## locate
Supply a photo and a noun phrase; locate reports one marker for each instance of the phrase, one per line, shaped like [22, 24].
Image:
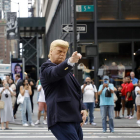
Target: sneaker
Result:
[93, 123]
[44, 122]
[119, 117]
[25, 124]
[127, 117]
[85, 123]
[104, 131]
[112, 131]
[138, 121]
[37, 122]
[131, 117]
[32, 124]
[122, 116]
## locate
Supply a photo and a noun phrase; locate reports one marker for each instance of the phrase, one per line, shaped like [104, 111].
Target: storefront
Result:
[117, 37]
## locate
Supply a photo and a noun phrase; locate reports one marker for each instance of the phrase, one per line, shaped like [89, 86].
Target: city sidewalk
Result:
[125, 123]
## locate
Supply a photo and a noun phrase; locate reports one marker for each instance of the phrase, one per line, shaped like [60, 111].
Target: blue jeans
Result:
[107, 110]
[26, 106]
[90, 107]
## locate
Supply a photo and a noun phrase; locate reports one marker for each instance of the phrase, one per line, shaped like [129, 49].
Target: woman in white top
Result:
[6, 113]
[42, 105]
[26, 91]
[137, 92]
[13, 87]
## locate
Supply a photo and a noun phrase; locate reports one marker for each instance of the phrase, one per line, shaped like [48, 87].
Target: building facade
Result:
[112, 25]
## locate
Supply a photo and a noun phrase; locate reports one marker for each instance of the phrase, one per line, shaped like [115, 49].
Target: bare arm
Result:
[30, 90]
[83, 88]
[22, 90]
[39, 89]
[138, 91]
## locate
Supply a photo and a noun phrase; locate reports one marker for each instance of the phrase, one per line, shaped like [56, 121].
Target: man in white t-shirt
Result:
[89, 92]
[41, 105]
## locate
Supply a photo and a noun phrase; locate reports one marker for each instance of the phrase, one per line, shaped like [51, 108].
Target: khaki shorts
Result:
[137, 100]
[42, 106]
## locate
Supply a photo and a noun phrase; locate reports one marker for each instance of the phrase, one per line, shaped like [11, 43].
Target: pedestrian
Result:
[118, 103]
[137, 92]
[7, 78]
[89, 92]
[65, 110]
[18, 84]
[123, 96]
[26, 91]
[128, 98]
[42, 105]
[7, 112]
[13, 87]
[134, 82]
[106, 91]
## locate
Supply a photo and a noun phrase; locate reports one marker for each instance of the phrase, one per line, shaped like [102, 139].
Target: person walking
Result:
[18, 84]
[65, 109]
[26, 91]
[13, 87]
[7, 112]
[137, 92]
[89, 92]
[106, 91]
[42, 105]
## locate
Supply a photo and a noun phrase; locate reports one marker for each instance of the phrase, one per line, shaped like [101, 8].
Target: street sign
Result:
[84, 8]
[81, 28]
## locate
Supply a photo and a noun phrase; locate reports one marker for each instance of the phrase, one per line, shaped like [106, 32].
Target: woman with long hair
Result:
[13, 87]
[26, 91]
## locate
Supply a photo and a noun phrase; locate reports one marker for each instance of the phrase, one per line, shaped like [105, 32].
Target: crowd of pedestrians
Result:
[9, 94]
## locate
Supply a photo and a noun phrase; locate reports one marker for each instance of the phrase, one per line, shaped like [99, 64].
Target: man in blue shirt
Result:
[134, 80]
[106, 104]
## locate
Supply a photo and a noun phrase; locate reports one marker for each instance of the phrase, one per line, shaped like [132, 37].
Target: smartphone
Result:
[105, 81]
[6, 85]
[85, 83]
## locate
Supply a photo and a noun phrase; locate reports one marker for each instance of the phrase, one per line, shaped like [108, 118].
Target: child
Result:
[118, 103]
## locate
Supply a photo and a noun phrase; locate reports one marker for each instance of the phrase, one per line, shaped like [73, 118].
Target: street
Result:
[124, 129]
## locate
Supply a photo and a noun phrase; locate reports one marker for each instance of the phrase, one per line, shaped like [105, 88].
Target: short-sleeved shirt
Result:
[129, 88]
[41, 94]
[136, 90]
[106, 100]
[134, 81]
[88, 95]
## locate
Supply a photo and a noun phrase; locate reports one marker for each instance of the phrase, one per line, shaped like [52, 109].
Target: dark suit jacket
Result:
[18, 87]
[62, 93]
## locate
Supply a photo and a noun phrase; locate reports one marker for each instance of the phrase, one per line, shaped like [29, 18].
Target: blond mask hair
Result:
[58, 43]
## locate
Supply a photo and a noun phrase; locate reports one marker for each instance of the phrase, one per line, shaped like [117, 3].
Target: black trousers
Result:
[32, 105]
[15, 107]
[67, 131]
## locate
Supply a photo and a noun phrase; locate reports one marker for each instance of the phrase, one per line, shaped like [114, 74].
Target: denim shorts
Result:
[123, 97]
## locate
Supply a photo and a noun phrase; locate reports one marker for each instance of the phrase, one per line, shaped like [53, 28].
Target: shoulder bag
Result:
[1, 104]
[20, 99]
[107, 93]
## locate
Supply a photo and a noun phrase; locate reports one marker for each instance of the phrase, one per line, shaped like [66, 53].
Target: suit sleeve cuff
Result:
[69, 63]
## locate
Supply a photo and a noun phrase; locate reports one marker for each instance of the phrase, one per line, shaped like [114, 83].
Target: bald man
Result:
[89, 92]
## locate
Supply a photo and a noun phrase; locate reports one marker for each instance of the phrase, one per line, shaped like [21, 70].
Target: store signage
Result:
[84, 8]
[81, 28]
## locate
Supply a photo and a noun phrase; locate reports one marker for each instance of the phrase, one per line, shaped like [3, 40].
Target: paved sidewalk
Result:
[118, 123]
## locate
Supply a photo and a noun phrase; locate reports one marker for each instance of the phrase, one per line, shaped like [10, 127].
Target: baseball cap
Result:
[105, 77]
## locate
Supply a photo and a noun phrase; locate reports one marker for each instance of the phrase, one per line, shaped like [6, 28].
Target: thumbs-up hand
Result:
[75, 57]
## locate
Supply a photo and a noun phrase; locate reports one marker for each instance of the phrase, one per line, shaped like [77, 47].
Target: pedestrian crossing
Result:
[42, 133]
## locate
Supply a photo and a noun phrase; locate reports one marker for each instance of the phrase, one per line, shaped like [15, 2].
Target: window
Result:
[108, 9]
[115, 60]
[130, 9]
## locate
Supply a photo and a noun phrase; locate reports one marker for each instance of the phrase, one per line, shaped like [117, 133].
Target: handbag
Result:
[115, 97]
[20, 99]
[1, 104]
[108, 93]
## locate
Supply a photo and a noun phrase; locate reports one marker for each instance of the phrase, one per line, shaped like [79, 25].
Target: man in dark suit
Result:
[65, 110]
[18, 84]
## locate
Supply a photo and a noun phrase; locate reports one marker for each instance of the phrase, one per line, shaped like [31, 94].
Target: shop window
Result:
[108, 9]
[84, 15]
[115, 60]
[130, 9]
